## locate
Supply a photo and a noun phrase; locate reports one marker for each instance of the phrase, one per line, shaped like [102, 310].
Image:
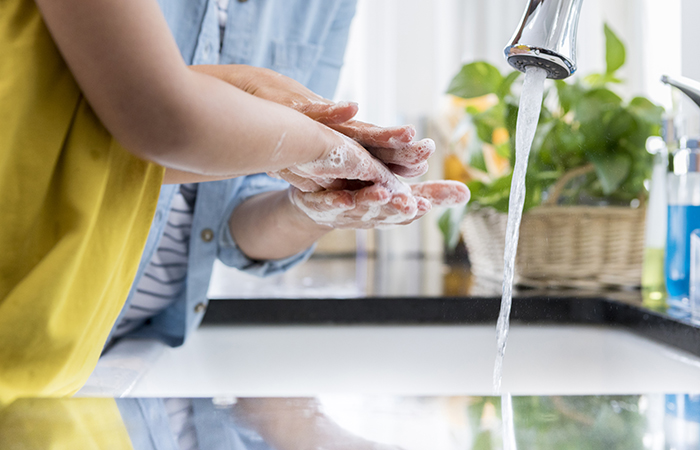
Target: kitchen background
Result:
[400, 59]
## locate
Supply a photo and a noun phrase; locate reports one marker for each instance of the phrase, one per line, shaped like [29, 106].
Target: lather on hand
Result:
[354, 185]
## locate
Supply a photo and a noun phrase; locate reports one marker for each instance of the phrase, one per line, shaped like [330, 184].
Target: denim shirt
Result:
[146, 421]
[302, 39]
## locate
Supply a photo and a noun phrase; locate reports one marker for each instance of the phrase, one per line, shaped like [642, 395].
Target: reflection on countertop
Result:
[654, 421]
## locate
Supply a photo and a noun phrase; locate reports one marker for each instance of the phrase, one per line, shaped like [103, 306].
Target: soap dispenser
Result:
[683, 193]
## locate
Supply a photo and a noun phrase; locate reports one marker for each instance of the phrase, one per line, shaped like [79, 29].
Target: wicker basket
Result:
[573, 246]
[561, 246]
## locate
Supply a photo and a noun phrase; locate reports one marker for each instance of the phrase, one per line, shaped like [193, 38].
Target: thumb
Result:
[442, 193]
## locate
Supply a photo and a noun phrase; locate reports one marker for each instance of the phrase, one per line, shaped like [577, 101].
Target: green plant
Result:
[585, 129]
[563, 423]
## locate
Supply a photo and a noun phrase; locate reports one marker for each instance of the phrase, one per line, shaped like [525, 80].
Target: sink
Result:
[414, 360]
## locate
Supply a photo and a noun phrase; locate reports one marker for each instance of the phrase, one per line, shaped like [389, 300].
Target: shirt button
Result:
[207, 235]
[207, 49]
[200, 307]
[242, 1]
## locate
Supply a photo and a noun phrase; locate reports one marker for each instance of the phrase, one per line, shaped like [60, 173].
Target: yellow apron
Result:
[65, 424]
[75, 210]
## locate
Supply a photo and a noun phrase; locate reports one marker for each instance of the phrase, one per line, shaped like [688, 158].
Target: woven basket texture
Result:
[561, 246]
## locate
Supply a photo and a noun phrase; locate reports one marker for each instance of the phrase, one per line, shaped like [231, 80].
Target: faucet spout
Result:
[546, 38]
[689, 87]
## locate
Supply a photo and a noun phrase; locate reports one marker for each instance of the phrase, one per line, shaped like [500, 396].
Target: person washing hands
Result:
[142, 424]
[256, 223]
[96, 100]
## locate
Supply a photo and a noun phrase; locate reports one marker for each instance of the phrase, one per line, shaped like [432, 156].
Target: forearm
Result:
[127, 64]
[268, 226]
[230, 132]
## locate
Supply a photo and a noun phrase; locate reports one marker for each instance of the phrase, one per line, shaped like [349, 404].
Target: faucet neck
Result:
[546, 37]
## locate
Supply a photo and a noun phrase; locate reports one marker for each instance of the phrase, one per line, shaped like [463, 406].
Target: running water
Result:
[508, 422]
[528, 116]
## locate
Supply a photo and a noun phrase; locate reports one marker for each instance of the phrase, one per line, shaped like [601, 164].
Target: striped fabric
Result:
[165, 275]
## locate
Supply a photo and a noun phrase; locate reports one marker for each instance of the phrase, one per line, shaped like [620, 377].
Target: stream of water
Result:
[528, 116]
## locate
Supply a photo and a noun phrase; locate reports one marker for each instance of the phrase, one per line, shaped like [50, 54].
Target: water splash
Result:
[528, 116]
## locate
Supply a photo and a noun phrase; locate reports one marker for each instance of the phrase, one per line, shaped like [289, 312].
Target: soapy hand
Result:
[394, 146]
[375, 206]
[347, 166]
[349, 188]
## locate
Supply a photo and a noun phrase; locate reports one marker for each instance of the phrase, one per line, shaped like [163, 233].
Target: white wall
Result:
[403, 53]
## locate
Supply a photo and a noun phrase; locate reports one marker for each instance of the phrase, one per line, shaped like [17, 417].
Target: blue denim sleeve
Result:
[324, 79]
[228, 251]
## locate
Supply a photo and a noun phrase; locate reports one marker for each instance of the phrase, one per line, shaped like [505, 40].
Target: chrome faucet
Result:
[689, 87]
[546, 37]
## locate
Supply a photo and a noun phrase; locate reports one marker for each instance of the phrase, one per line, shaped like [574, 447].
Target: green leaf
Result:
[597, 80]
[646, 110]
[449, 226]
[569, 94]
[507, 84]
[494, 195]
[488, 121]
[476, 160]
[614, 51]
[621, 127]
[503, 150]
[612, 170]
[595, 103]
[562, 147]
[475, 80]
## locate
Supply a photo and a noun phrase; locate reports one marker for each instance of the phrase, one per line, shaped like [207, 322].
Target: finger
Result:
[332, 114]
[409, 172]
[424, 207]
[373, 135]
[374, 195]
[442, 193]
[407, 155]
[405, 204]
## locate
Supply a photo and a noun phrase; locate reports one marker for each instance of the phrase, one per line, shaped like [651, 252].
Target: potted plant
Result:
[584, 210]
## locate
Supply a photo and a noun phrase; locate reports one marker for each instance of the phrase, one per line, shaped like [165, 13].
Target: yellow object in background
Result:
[65, 424]
[455, 169]
[75, 210]
[500, 136]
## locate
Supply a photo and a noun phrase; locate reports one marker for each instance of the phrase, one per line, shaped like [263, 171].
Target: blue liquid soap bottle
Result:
[683, 193]
[683, 190]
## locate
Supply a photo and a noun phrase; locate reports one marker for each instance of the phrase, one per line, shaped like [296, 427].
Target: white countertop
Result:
[395, 360]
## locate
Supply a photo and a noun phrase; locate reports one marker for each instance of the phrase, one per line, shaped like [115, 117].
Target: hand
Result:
[298, 424]
[393, 146]
[376, 206]
[273, 86]
[348, 166]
